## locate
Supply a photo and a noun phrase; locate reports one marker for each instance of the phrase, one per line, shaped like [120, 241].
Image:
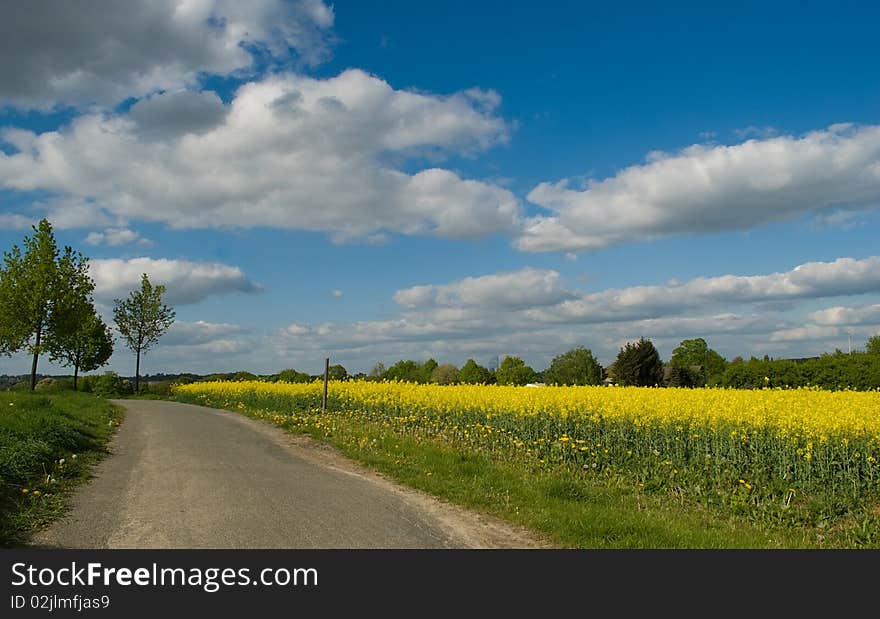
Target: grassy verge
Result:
[574, 508]
[48, 443]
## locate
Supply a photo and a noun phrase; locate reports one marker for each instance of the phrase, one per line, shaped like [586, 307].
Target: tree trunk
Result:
[36, 356]
[75, 373]
[137, 373]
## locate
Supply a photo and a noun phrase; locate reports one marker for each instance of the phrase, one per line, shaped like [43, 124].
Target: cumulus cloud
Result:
[847, 316]
[527, 287]
[115, 237]
[177, 113]
[807, 332]
[288, 152]
[711, 188]
[844, 276]
[12, 221]
[103, 51]
[200, 332]
[186, 282]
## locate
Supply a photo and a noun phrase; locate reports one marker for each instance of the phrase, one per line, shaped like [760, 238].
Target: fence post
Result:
[326, 377]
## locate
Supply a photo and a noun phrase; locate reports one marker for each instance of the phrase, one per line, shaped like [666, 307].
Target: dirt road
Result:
[183, 476]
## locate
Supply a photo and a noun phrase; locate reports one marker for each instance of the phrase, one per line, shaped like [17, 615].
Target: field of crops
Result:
[793, 454]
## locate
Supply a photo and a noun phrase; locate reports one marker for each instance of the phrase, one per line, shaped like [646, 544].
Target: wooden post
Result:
[326, 377]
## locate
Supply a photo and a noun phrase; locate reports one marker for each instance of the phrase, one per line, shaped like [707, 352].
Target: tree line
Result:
[47, 306]
[692, 364]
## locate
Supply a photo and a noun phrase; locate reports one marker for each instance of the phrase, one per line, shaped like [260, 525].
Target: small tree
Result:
[638, 364]
[872, 346]
[427, 371]
[142, 319]
[86, 347]
[445, 374]
[471, 373]
[378, 371]
[575, 367]
[337, 372]
[514, 371]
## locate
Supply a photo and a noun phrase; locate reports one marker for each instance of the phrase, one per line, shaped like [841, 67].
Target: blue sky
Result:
[453, 180]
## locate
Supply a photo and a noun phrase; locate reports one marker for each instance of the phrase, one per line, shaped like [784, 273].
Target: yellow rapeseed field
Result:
[778, 442]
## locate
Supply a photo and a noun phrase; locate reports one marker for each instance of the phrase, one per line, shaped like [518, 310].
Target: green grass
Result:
[571, 508]
[48, 442]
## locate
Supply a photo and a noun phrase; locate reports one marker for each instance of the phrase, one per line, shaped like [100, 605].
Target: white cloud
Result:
[186, 282]
[199, 333]
[115, 237]
[288, 152]
[337, 293]
[11, 221]
[837, 316]
[844, 276]
[104, 51]
[711, 188]
[807, 332]
[527, 287]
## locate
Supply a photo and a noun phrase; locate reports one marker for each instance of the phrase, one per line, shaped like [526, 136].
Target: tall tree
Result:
[638, 364]
[696, 352]
[142, 319]
[514, 371]
[575, 367]
[872, 346]
[38, 286]
[471, 373]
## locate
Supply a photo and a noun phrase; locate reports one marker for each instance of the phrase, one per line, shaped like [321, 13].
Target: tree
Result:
[37, 288]
[142, 319]
[405, 371]
[378, 371]
[872, 346]
[337, 372]
[445, 374]
[292, 376]
[87, 346]
[427, 370]
[514, 371]
[638, 364]
[575, 367]
[696, 352]
[471, 373]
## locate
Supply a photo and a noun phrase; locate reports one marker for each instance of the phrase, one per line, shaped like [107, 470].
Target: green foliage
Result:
[160, 387]
[86, 345]
[427, 370]
[39, 435]
[405, 370]
[142, 319]
[445, 374]
[378, 371]
[638, 364]
[696, 352]
[575, 367]
[471, 373]
[243, 376]
[292, 376]
[42, 291]
[859, 371]
[682, 376]
[337, 372]
[872, 346]
[109, 384]
[514, 371]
